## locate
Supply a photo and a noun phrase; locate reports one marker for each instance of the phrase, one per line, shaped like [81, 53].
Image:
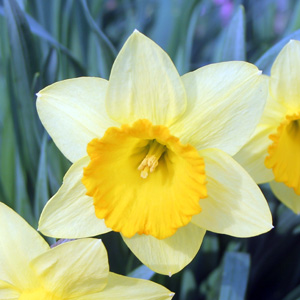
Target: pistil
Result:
[150, 162]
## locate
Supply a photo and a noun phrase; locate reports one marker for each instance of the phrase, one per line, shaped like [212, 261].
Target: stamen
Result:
[150, 162]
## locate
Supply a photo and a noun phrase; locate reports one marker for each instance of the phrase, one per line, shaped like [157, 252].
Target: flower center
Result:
[133, 202]
[150, 162]
[38, 294]
[284, 153]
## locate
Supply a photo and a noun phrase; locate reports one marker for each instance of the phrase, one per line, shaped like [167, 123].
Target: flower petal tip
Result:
[135, 31]
[259, 72]
[38, 94]
[170, 274]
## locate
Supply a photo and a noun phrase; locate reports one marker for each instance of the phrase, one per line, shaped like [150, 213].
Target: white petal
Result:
[253, 154]
[167, 256]
[286, 195]
[70, 213]
[285, 74]
[235, 205]
[8, 291]
[126, 288]
[225, 103]
[73, 269]
[144, 84]
[73, 112]
[19, 244]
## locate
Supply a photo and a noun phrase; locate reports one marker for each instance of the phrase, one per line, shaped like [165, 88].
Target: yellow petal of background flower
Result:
[144, 84]
[285, 74]
[167, 256]
[19, 244]
[126, 288]
[70, 213]
[73, 269]
[225, 103]
[73, 112]
[235, 205]
[284, 153]
[286, 195]
[253, 153]
[8, 291]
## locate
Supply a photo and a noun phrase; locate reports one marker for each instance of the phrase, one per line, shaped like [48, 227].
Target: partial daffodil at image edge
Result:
[273, 152]
[151, 154]
[30, 270]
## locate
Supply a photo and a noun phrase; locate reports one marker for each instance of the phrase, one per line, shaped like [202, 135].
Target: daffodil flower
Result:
[151, 154]
[273, 151]
[30, 270]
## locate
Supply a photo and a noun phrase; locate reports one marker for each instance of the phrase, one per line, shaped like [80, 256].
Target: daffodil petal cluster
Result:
[151, 153]
[30, 270]
[273, 152]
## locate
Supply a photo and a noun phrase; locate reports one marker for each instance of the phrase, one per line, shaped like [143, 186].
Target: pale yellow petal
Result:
[8, 291]
[144, 84]
[73, 269]
[167, 256]
[73, 112]
[274, 113]
[19, 244]
[70, 213]
[286, 195]
[253, 153]
[126, 288]
[235, 205]
[285, 76]
[225, 103]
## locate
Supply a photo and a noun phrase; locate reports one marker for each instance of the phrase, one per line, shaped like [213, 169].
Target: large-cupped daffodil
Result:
[273, 152]
[151, 153]
[30, 270]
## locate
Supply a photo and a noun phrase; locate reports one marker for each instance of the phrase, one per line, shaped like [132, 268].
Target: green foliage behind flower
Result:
[45, 41]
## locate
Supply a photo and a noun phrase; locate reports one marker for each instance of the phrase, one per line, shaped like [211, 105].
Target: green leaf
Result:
[142, 272]
[41, 186]
[108, 52]
[164, 23]
[22, 203]
[294, 294]
[7, 159]
[41, 32]
[235, 276]
[265, 62]
[294, 22]
[189, 285]
[231, 44]
[23, 67]
[184, 51]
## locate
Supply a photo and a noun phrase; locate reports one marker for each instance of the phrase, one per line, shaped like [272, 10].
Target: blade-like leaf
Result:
[235, 276]
[41, 186]
[108, 52]
[23, 67]
[266, 60]
[189, 285]
[231, 45]
[142, 272]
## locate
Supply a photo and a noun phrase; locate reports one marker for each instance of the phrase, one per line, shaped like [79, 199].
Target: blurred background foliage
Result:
[44, 41]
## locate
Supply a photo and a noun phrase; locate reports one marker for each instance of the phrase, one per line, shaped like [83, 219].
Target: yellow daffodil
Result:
[273, 152]
[30, 270]
[151, 153]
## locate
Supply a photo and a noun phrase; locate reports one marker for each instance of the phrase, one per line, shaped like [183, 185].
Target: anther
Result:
[150, 162]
